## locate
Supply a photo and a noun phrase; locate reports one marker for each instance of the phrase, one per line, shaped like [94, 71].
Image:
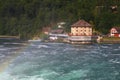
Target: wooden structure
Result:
[58, 34]
[46, 30]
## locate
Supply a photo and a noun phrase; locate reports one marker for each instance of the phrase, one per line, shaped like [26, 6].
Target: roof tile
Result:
[117, 28]
[81, 23]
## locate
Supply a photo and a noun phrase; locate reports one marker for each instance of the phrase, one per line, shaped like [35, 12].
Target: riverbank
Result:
[113, 40]
[4, 36]
[102, 40]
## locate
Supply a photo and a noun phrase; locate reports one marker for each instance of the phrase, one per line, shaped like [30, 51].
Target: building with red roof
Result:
[81, 28]
[81, 32]
[115, 32]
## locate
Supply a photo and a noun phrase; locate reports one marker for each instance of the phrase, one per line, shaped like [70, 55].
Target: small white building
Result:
[57, 34]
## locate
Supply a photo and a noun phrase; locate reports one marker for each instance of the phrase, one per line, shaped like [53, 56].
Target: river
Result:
[59, 61]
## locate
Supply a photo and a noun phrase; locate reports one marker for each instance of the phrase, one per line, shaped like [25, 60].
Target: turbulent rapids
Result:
[59, 61]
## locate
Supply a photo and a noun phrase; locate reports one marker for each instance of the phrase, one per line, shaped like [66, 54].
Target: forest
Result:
[27, 17]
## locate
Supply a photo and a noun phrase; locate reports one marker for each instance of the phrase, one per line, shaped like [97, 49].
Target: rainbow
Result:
[9, 60]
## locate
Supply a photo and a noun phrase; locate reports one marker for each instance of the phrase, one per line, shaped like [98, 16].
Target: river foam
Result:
[58, 61]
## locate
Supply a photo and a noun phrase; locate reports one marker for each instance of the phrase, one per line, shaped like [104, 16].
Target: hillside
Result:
[27, 17]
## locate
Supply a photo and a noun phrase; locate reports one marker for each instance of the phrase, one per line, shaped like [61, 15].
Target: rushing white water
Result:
[59, 61]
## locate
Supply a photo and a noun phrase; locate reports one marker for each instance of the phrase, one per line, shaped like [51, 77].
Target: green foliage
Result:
[27, 17]
[44, 36]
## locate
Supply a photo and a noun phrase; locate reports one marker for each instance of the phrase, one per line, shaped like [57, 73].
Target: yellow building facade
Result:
[81, 28]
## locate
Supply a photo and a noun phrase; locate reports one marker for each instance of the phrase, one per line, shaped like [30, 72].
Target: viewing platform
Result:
[81, 39]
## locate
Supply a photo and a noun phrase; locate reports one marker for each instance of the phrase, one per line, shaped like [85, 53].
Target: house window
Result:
[76, 27]
[76, 34]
